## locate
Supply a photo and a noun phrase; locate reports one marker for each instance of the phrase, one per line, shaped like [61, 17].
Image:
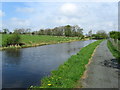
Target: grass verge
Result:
[71, 71]
[114, 51]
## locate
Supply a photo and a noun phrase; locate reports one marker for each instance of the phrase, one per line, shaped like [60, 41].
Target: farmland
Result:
[37, 40]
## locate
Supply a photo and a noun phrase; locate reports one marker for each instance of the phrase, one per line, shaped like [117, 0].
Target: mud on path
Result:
[103, 71]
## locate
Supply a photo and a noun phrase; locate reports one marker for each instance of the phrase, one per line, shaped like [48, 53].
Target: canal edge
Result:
[79, 84]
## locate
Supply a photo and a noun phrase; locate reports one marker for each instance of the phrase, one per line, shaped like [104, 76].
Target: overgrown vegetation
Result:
[115, 35]
[115, 39]
[70, 72]
[114, 51]
[13, 39]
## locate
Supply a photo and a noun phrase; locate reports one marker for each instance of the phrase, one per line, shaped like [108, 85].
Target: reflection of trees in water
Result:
[73, 50]
[13, 53]
[68, 48]
[73, 47]
[12, 56]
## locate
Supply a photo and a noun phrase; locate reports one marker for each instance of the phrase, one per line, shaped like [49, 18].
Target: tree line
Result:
[68, 31]
[101, 34]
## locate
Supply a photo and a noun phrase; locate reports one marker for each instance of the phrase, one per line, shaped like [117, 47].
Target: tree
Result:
[67, 30]
[10, 32]
[18, 31]
[41, 32]
[27, 31]
[90, 34]
[22, 31]
[101, 34]
[115, 35]
[5, 31]
[78, 31]
[33, 33]
[48, 32]
[58, 31]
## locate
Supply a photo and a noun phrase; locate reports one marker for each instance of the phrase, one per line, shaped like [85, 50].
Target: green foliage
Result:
[11, 40]
[5, 31]
[70, 72]
[115, 35]
[68, 31]
[100, 36]
[113, 50]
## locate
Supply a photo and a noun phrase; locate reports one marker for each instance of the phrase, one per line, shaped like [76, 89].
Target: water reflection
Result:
[11, 56]
[27, 66]
[13, 53]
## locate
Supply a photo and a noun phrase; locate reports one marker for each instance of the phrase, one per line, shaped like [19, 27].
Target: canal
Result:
[24, 67]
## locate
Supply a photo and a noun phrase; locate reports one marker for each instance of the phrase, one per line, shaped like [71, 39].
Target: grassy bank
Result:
[113, 50]
[38, 40]
[67, 75]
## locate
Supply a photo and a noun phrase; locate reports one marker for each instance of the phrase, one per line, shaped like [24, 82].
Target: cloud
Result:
[68, 9]
[60, 0]
[63, 20]
[16, 23]
[25, 10]
[95, 16]
[1, 13]
[20, 22]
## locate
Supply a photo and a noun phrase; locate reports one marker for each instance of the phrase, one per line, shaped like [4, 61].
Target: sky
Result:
[41, 15]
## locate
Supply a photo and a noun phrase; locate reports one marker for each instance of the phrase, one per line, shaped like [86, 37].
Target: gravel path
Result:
[103, 70]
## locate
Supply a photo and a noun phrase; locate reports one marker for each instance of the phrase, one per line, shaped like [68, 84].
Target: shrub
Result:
[115, 35]
[12, 40]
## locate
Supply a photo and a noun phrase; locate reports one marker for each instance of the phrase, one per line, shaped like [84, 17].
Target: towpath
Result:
[103, 70]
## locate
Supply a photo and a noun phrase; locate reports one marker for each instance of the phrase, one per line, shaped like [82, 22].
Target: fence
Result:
[115, 43]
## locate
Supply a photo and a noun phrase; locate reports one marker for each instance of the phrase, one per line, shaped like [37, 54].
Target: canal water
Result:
[24, 67]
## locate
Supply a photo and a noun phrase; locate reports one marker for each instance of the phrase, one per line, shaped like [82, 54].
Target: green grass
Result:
[67, 75]
[36, 40]
[113, 50]
[43, 38]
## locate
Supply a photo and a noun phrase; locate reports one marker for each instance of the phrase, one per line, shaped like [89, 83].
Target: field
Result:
[37, 40]
[70, 72]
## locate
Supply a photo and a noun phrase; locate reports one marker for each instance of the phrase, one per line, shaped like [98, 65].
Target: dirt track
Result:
[103, 70]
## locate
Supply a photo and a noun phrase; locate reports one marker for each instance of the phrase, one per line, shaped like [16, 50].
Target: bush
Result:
[12, 40]
[115, 35]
